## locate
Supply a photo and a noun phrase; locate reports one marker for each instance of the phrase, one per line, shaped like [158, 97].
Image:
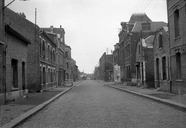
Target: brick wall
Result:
[15, 50]
[28, 30]
[177, 44]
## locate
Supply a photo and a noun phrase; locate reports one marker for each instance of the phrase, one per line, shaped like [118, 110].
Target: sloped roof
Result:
[139, 17]
[17, 34]
[154, 26]
[148, 42]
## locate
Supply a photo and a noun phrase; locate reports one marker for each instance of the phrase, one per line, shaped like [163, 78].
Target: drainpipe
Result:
[170, 73]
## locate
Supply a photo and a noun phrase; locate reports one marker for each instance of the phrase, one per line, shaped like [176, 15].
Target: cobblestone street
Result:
[92, 105]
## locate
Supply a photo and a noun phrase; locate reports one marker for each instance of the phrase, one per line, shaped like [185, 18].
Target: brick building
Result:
[144, 62]
[162, 59]
[68, 63]
[127, 46]
[16, 63]
[177, 33]
[60, 57]
[29, 31]
[117, 74]
[138, 27]
[48, 63]
[106, 67]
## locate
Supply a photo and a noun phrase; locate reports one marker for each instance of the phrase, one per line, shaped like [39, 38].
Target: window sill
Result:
[178, 37]
[160, 48]
[14, 89]
[179, 80]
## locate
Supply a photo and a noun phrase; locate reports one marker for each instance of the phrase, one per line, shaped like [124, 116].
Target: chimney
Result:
[51, 28]
[60, 26]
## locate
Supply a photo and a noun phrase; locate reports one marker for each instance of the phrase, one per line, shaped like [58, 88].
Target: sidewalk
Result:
[176, 101]
[16, 111]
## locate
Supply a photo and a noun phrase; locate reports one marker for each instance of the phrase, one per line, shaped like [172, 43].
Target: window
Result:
[51, 52]
[128, 71]
[43, 48]
[40, 44]
[14, 66]
[67, 65]
[44, 76]
[146, 26]
[160, 40]
[164, 68]
[178, 65]
[66, 54]
[139, 49]
[23, 76]
[176, 23]
[48, 52]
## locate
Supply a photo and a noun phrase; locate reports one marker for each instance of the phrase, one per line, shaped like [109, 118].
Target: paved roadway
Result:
[92, 105]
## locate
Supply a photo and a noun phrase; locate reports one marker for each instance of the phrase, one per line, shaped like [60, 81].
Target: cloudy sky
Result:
[91, 26]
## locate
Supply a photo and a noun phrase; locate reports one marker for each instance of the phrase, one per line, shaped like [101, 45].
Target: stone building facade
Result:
[177, 33]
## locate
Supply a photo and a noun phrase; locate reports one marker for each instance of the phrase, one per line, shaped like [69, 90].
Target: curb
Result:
[178, 106]
[32, 111]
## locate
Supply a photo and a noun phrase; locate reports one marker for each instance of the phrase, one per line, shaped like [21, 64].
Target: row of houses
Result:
[150, 54]
[32, 59]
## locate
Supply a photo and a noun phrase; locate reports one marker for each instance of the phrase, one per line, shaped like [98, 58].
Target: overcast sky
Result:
[91, 26]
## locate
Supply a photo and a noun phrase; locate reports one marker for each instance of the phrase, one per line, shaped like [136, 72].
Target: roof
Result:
[148, 42]
[15, 33]
[165, 28]
[55, 30]
[154, 26]
[139, 17]
[66, 46]
[50, 37]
